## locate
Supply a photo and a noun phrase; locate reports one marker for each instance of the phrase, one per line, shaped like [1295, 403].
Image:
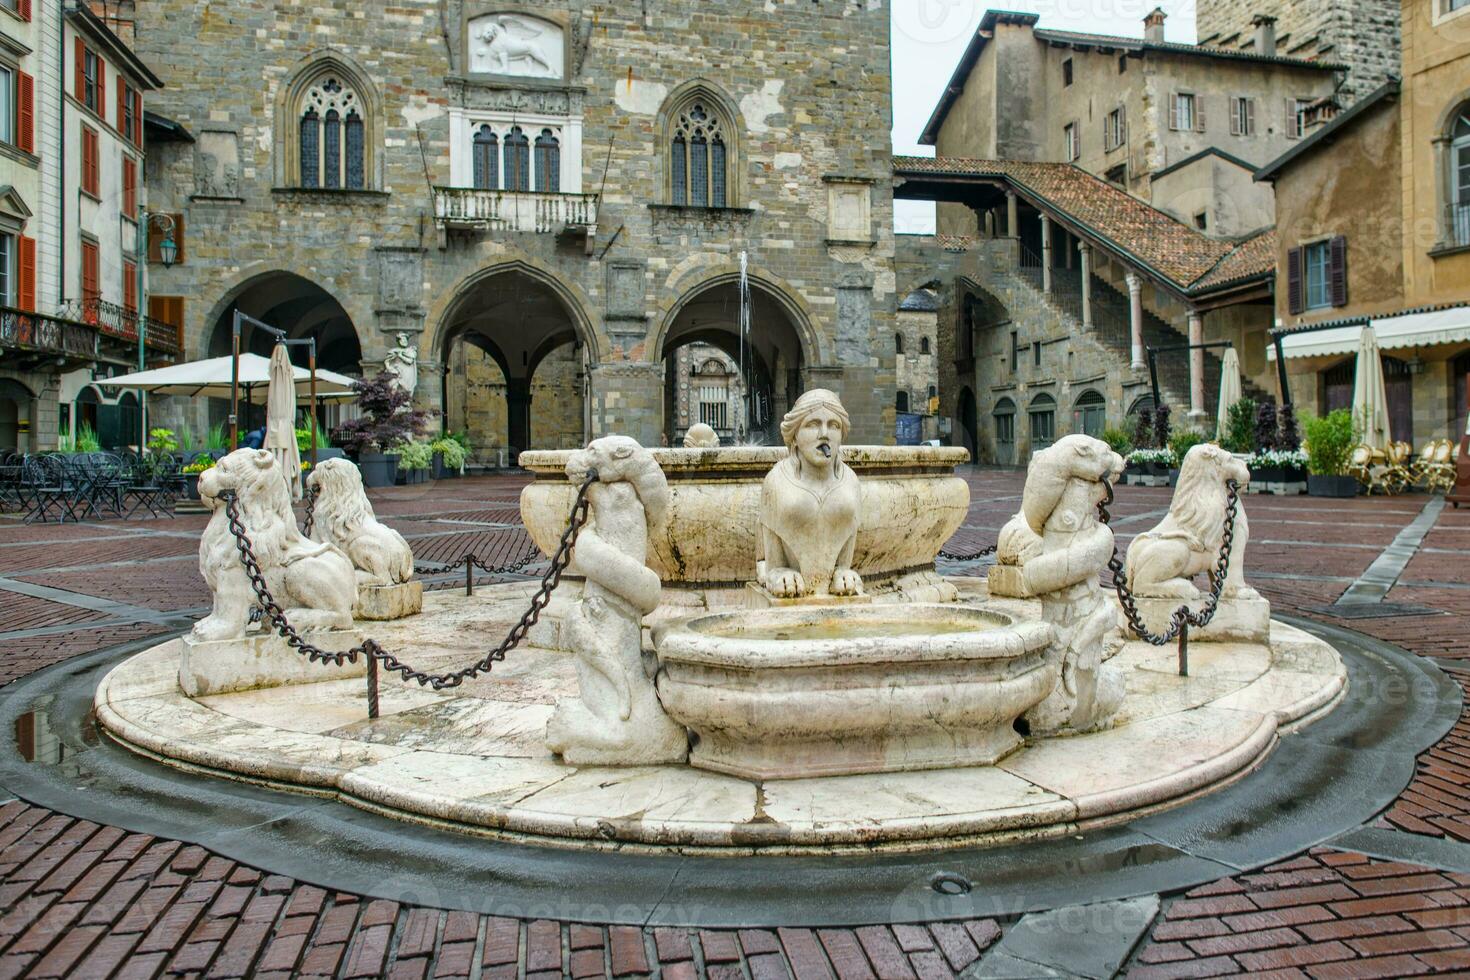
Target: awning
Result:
[1408, 330]
[211, 378]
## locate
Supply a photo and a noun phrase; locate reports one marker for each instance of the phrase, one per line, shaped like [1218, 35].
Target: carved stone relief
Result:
[217, 164]
[516, 45]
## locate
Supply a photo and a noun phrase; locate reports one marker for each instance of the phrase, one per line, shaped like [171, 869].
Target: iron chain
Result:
[951, 556]
[273, 612]
[1183, 615]
[310, 522]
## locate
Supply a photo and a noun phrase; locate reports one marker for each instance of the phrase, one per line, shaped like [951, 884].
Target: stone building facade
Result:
[537, 176]
[1362, 34]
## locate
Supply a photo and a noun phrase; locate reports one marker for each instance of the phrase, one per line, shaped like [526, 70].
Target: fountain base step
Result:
[834, 757]
[757, 596]
[260, 661]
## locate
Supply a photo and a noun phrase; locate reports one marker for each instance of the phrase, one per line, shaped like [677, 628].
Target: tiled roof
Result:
[1172, 47]
[955, 243]
[1170, 248]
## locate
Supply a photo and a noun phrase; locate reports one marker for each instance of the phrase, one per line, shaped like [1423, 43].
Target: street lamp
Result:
[168, 251]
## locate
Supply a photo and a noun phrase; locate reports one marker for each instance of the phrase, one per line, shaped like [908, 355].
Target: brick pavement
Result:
[77, 899]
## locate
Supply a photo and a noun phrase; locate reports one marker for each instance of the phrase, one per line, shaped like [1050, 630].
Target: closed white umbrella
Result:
[1370, 396]
[1229, 390]
[280, 420]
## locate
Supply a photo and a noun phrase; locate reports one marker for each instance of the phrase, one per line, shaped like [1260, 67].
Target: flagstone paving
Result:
[80, 899]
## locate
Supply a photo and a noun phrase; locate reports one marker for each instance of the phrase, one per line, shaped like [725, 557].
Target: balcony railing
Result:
[122, 323]
[471, 208]
[1457, 224]
[47, 334]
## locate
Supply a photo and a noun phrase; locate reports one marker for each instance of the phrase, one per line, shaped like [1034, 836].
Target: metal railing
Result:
[534, 211]
[1457, 224]
[122, 323]
[35, 331]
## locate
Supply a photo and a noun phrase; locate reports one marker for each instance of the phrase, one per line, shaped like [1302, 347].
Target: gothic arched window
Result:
[333, 147]
[517, 160]
[548, 162]
[485, 159]
[699, 155]
[1459, 177]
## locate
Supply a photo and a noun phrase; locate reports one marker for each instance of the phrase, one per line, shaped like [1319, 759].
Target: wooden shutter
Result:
[1250, 117]
[90, 175]
[138, 118]
[1294, 299]
[1199, 113]
[1291, 130]
[130, 187]
[122, 110]
[25, 112]
[1235, 115]
[1337, 271]
[26, 273]
[24, 9]
[102, 89]
[1173, 110]
[130, 286]
[1122, 124]
[90, 287]
[156, 236]
[80, 50]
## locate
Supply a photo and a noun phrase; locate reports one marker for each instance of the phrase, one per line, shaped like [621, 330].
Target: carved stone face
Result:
[819, 440]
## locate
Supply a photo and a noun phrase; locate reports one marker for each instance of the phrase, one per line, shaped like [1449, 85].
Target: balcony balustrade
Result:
[472, 209]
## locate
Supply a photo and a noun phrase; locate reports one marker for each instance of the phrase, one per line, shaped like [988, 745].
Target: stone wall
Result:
[807, 87]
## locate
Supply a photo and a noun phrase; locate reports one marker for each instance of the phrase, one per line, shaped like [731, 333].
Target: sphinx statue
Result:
[1054, 550]
[811, 506]
[616, 719]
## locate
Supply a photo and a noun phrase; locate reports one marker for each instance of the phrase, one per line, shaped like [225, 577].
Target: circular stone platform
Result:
[472, 759]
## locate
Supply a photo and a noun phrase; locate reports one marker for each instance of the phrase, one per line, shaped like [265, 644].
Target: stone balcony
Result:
[471, 210]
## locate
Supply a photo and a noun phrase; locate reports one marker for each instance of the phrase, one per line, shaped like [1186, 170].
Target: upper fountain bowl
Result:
[912, 503]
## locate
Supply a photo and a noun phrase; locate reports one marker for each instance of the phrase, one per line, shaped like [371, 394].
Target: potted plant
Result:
[449, 457]
[414, 460]
[386, 420]
[1180, 443]
[324, 448]
[1151, 463]
[191, 473]
[1278, 466]
[1330, 442]
[1240, 427]
[1161, 427]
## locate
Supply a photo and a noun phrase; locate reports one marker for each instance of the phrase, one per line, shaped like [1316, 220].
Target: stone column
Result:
[1196, 368]
[518, 414]
[1045, 254]
[1135, 319]
[1085, 251]
[1013, 216]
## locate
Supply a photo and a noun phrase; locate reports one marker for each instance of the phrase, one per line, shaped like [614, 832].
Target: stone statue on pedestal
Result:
[343, 516]
[1054, 550]
[617, 718]
[811, 506]
[403, 363]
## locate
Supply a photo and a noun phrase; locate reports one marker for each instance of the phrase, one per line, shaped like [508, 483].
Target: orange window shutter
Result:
[24, 9]
[122, 110]
[130, 187]
[102, 89]
[138, 118]
[130, 286]
[90, 289]
[25, 112]
[26, 273]
[81, 72]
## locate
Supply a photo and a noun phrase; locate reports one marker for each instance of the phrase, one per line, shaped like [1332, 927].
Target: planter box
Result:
[1173, 477]
[322, 455]
[410, 477]
[191, 485]
[438, 469]
[1332, 486]
[378, 469]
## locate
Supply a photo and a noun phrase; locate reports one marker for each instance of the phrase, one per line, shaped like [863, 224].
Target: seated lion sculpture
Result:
[617, 719]
[1060, 546]
[312, 582]
[343, 517]
[1163, 562]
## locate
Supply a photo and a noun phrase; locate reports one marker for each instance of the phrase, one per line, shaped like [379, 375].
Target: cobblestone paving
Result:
[79, 899]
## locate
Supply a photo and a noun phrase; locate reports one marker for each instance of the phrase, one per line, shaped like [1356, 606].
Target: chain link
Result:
[310, 521]
[276, 616]
[469, 559]
[951, 556]
[1183, 616]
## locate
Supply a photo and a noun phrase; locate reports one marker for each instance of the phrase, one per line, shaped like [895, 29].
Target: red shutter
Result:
[26, 273]
[1294, 301]
[24, 9]
[130, 286]
[90, 288]
[130, 187]
[90, 182]
[81, 72]
[1338, 271]
[25, 113]
[122, 110]
[138, 118]
[102, 89]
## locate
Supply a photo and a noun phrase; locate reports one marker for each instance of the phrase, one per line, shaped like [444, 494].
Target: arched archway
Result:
[514, 345]
[303, 309]
[768, 362]
[16, 403]
[1090, 413]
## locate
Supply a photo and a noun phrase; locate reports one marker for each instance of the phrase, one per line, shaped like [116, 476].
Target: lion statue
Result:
[617, 719]
[1163, 562]
[343, 517]
[1059, 546]
[701, 436]
[313, 582]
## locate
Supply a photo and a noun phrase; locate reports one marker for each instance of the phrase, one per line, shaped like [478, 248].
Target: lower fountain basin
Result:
[822, 691]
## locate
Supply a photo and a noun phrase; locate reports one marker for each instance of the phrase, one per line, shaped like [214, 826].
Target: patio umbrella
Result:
[1370, 397]
[280, 420]
[1229, 390]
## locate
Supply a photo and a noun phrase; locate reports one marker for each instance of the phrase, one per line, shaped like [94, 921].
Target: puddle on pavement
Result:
[38, 737]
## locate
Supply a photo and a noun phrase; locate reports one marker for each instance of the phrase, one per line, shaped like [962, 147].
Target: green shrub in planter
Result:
[452, 451]
[1330, 442]
[1240, 427]
[1183, 441]
[1118, 441]
[414, 455]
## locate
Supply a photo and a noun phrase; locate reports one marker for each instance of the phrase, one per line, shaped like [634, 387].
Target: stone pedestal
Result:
[260, 661]
[1245, 618]
[757, 596]
[383, 602]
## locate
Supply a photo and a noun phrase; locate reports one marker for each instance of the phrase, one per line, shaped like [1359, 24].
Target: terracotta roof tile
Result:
[1252, 257]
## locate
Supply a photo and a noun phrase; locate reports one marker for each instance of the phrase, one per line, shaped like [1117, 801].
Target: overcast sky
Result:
[930, 35]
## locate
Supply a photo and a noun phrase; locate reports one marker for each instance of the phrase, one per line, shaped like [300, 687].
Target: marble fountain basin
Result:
[912, 503]
[794, 692]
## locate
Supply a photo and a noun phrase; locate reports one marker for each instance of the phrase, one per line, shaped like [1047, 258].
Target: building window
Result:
[1067, 72]
[1450, 6]
[130, 188]
[1202, 221]
[933, 394]
[7, 106]
[1036, 353]
[91, 179]
[91, 77]
[517, 160]
[1122, 64]
[898, 343]
[1184, 114]
[1043, 418]
[1317, 275]
[1296, 118]
[1090, 416]
[1318, 259]
[1070, 143]
[548, 163]
[1459, 207]
[333, 137]
[1242, 116]
[485, 159]
[1118, 176]
[1004, 417]
[91, 272]
[127, 113]
[902, 401]
[7, 270]
[1015, 351]
[923, 345]
[699, 158]
[1115, 128]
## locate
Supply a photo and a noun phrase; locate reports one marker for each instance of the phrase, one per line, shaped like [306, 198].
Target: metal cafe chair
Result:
[46, 486]
[145, 491]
